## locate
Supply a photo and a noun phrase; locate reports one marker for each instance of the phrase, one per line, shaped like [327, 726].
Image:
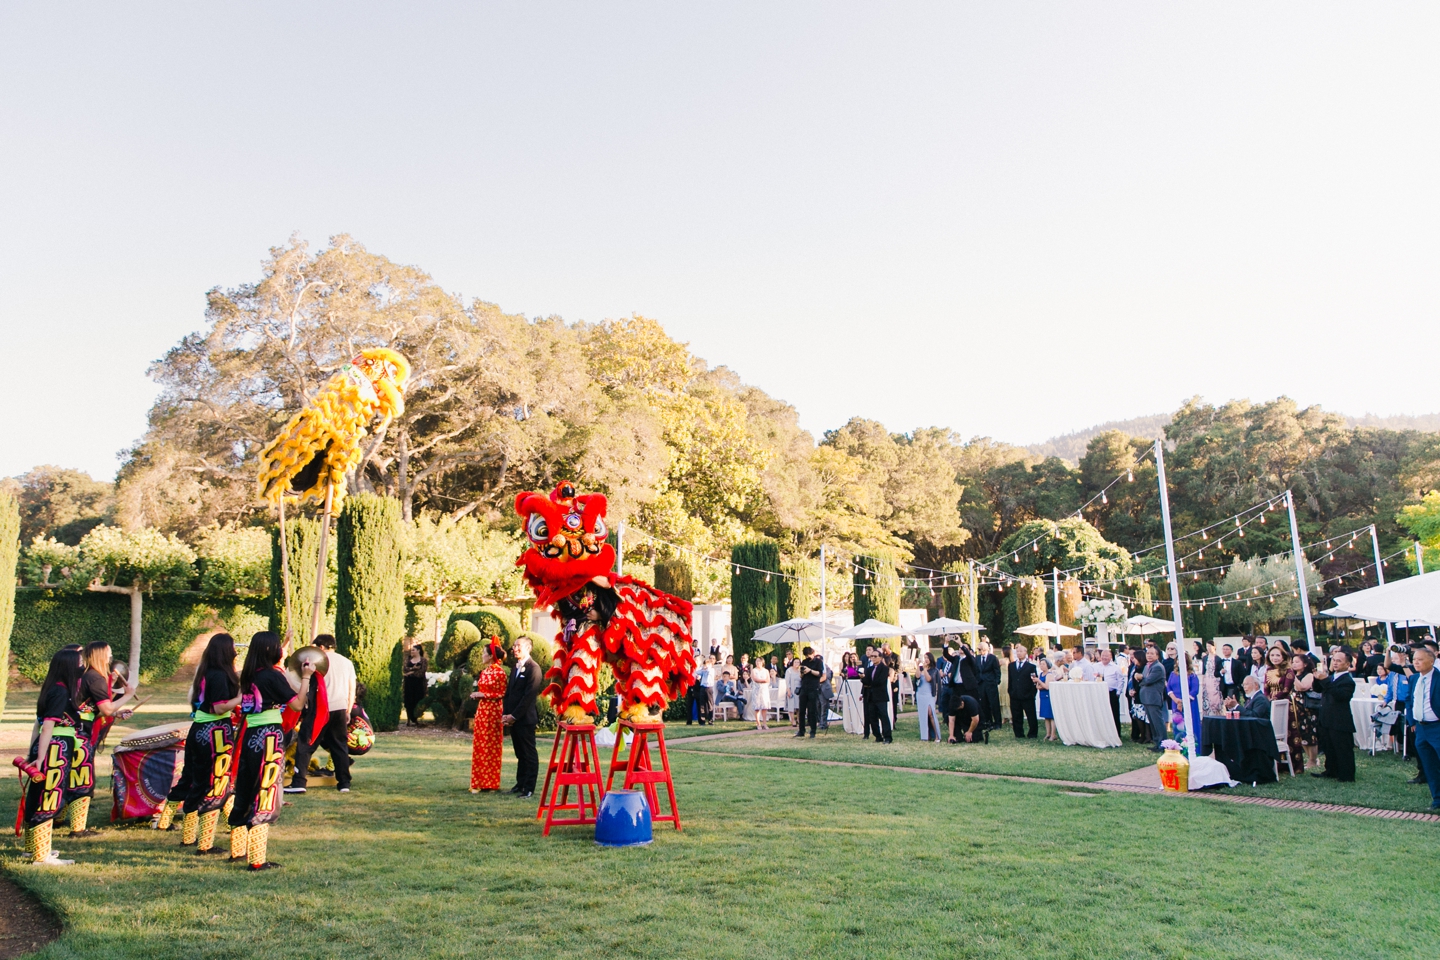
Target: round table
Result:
[1361, 710]
[1245, 745]
[1082, 713]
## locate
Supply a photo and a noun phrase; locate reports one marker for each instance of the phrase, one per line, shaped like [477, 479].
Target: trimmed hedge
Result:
[754, 597]
[370, 601]
[45, 621]
[303, 540]
[488, 622]
[877, 596]
[9, 557]
[673, 577]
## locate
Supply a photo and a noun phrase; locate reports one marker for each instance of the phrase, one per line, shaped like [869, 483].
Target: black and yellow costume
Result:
[258, 782]
[45, 795]
[207, 782]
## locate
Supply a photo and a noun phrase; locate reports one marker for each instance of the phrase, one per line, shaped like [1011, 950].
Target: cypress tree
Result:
[673, 577]
[877, 595]
[370, 601]
[754, 597]
[955, 594]
[797, 590]
[1205, 623]
[303, 542]
[9, 556]
[1029, 601]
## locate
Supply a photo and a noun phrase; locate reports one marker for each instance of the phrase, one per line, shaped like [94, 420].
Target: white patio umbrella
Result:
[1414, 598]
[1047, 629]
[1144, 626]
[799, 630]
[871, 629]
[943, 626]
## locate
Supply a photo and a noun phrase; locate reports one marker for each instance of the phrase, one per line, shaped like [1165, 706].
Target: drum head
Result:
[162, 735]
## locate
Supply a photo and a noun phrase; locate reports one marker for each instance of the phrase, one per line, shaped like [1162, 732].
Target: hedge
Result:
[877, 596]
[673, 577]
[9, 557]
[45, 621]
[489, 622]
[370, 601]
[754, 595]
[303, 540]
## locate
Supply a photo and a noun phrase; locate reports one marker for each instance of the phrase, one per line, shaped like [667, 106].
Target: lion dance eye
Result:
[537, 529]
[600, 531]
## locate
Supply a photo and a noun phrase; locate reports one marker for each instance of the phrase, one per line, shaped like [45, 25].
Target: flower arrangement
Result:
[1169, 745]
[1101, 611]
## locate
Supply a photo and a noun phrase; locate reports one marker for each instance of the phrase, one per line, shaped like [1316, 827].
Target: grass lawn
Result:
[776, 860]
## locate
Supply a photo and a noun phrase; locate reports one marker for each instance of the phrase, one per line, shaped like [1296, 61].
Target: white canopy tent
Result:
[1143, 626]
[872, 629]
[1414, 599]
[799, 630]
[1045, 628]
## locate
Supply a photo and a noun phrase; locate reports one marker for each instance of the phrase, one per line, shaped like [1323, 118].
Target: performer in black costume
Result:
[265, 691]
[96, 711]
[48, 763]
[207, 782]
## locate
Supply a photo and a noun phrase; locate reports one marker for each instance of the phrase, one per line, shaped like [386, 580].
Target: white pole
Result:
[620, 549]
[1183, 660]
[1380, 580]
[974, 606]
[1301, 586]
[823, 638]
[1055, 589]
[1419, 558]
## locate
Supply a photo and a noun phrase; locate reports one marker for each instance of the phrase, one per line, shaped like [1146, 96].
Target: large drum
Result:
[147, 765]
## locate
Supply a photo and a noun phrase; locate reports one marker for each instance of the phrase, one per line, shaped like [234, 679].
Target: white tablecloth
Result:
[1361, 709]
[852, 707]
[1082, 713]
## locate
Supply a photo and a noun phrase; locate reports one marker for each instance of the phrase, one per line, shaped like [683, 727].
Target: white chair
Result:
[1280, 720]
[907, 689]
[722, 708]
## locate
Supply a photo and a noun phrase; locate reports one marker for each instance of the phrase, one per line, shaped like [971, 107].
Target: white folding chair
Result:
[1280, 720]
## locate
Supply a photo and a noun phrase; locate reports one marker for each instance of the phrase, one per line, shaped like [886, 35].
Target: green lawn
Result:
[776, 860]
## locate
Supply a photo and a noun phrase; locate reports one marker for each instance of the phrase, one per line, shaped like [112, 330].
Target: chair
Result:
[907, 689]
[1280, 720]
[722, 708]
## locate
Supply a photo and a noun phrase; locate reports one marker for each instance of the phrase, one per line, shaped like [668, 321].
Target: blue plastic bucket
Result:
[624, 820]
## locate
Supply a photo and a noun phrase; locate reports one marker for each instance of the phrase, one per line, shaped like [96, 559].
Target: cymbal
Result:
[310, 654]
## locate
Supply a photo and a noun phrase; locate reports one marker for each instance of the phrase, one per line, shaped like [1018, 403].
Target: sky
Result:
[1013, 220]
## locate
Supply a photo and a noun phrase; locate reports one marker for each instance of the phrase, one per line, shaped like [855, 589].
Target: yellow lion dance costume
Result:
[321, 443]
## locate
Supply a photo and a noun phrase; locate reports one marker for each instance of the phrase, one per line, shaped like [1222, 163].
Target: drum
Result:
[155, 738]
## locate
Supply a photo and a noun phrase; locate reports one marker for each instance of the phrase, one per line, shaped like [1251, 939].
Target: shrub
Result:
[370, 601]
[45, 621]
[877, 596]
[673, 577]
[9, 558]
[753, 595]
[798, 590]
[455, 648]
[302, 539]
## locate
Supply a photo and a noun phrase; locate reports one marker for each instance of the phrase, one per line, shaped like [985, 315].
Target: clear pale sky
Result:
[1009, 219]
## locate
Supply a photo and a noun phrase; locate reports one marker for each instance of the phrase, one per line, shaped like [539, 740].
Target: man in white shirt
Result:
[1080, 667]
[335, 738]
[1114, 676]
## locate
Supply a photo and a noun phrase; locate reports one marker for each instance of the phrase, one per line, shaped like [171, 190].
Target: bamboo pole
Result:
[321, 564]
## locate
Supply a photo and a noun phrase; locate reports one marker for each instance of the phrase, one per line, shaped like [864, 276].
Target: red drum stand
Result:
[640, 769]
[574, 762]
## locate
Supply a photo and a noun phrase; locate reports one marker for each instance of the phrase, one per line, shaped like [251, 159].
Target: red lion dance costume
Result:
[642, 633]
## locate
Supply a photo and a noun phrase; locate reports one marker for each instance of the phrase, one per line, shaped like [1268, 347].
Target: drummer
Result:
[48, 764]
[98, 709]
[208, 780]
[264, 692]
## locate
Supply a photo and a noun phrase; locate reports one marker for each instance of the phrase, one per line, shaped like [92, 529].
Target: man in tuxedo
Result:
[1229, 670]
[875, 686]
[518, 714]
[1152, 695]
[1256, 705]
[1022, 693]
[1337, 725]
[946, 663]
[988, 667]
[1423, 714]
[965, 680]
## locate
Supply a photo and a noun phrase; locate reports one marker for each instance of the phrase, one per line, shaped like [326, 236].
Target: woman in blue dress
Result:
[1172, 685]
[1042, 683]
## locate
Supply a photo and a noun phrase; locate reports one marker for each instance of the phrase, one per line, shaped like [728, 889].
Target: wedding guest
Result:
[875, 687]
[926, 682]
[1005, 655]
[1152, 695]
[827, 692]
[1046, 675]
[1337, 724]
[965, 718]
[1424, 716]
[1257, 665]
[1114, 678]
[1227, 670]
[413, 682]
[1172, 688]
[988, 668]
[1255, 705]
[1304, 739]
[1022, 675]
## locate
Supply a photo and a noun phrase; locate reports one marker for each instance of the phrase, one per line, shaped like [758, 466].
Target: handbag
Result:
[1313, 700]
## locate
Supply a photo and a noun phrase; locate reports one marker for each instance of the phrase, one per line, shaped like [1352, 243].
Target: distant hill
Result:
[1071, 446]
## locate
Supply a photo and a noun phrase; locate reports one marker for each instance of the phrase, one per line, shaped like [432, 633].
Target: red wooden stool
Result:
[574, 762]
[640, 770]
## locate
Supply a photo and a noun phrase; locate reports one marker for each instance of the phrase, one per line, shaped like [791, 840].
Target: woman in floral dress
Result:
[1304, 738]
[490, 691]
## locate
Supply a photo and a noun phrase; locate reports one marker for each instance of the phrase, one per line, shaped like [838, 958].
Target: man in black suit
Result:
[875, 684]
[1422, 714]
[1152, 695]
[965, 681]
[519, 716]
[1256, 705]
[1337, 725]
[1022, 693]
[988, 666]
[812, 668]
[1230, 672]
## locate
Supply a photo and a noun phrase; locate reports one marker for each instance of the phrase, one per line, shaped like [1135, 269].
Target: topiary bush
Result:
[454, 649]
[370, 601]
[754, 600]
